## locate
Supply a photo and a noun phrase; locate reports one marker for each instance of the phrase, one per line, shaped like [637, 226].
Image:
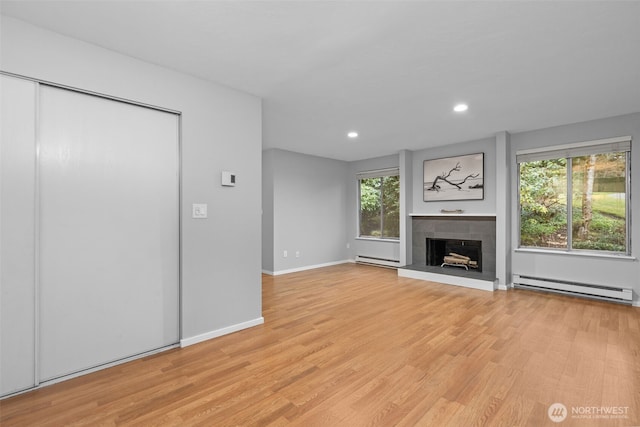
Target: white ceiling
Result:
[392, 70]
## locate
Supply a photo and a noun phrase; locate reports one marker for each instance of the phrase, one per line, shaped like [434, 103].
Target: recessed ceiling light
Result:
[352, 134]
[460, 108]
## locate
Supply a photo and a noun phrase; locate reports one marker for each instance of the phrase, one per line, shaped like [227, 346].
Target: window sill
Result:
[378, 239]
[578, 254]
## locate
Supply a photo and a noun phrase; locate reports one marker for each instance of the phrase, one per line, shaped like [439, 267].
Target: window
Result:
[576, 197]
[379, 204]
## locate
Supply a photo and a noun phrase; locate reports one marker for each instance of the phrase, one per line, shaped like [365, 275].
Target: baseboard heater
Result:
[381, 262]
[606, 293]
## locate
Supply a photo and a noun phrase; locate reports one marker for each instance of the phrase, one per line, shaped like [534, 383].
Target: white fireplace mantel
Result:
[452, 215]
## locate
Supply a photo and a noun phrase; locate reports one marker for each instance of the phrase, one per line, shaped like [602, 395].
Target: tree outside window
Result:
[599, 202]
[380, 207]
[543, 207]
[575, 203]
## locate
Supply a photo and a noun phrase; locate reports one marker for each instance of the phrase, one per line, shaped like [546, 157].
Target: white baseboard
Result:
[484, 285]
[270, 273]
[636, 303]
[185, 342]
[307, 267]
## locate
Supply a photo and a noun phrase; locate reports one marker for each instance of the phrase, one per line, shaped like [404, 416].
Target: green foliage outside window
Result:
[380, 207]
[598, 203]
[543, 215]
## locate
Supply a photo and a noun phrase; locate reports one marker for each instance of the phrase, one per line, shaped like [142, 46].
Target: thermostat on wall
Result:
[228, 179]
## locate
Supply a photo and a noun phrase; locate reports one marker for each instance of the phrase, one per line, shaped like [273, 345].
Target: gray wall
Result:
[267, 211]
[221, 130]
[309, 207]
[588, 269]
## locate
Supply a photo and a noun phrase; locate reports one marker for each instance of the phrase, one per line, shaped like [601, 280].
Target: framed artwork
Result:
[454, 178]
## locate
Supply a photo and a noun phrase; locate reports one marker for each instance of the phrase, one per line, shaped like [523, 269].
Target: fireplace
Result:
[471, 235]
[455, 253]
[465, 228]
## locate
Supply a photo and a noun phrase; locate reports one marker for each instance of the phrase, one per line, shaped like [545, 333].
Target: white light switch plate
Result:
[199, 210]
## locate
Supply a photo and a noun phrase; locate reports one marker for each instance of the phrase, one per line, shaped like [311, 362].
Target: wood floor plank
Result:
[353, 345]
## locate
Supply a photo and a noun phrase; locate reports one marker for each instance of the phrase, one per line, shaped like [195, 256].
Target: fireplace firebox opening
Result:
[455, 253]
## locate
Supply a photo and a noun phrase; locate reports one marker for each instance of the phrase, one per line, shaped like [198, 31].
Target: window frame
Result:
[380, 173]
[568, 152]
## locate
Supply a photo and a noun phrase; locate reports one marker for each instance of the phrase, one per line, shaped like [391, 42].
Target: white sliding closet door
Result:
[109, 250]
[17, 241]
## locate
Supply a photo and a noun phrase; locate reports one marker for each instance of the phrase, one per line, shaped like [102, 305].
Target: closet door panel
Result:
[17, 241]
[109, 249]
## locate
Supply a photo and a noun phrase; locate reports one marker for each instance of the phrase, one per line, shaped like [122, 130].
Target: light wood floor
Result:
[353, 345]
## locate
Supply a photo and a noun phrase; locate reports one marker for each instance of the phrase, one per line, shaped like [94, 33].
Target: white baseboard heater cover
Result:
[601, 292]
[365, 259]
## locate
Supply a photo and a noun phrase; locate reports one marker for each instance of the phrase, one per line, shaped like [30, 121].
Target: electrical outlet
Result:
[348, 245]
[199, 210]
[284, 254]
[297, 254]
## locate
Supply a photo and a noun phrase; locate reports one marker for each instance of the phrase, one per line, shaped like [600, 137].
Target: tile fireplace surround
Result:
[462, 227]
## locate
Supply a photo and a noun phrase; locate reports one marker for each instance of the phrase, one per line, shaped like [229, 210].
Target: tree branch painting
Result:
[454, 178]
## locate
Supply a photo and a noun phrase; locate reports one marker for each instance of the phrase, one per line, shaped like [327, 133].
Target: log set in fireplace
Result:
[437, 249]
